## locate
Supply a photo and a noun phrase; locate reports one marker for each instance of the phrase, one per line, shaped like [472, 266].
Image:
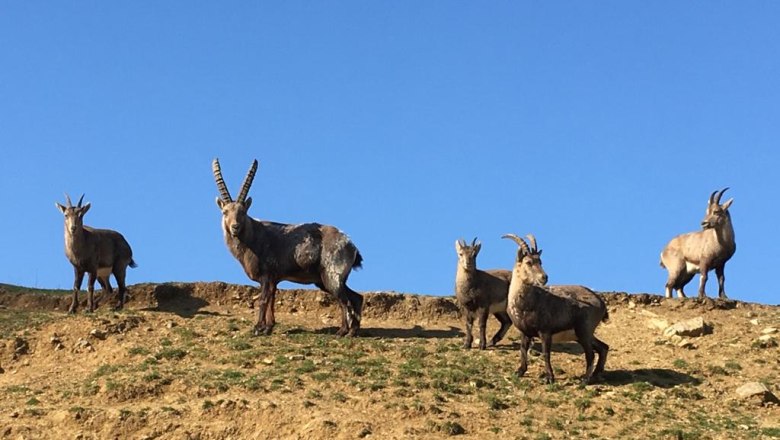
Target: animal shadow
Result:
[178, 299]
[658, 377]
[379, 332]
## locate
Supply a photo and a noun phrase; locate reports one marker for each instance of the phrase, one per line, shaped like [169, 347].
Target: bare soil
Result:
[180, 363]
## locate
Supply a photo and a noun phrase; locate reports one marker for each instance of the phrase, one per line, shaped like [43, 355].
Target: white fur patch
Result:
[691, 267]
[104, 272]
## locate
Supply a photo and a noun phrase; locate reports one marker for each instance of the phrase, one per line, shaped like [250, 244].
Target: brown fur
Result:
[481, 293]
[308, 253]
[89, 250]
[539, 311]
[701, 251]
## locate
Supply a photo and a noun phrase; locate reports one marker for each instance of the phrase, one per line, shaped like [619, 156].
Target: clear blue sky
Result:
[600, 127]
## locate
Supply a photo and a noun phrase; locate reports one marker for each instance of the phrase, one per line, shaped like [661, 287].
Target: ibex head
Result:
[528, 264]
[234, 213]
[717, 214]
[467, 254]
[74, 215]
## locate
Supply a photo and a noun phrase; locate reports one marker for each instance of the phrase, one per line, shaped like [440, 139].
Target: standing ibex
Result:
[269, 252]
[480, 293]
[701, 251]
[98, 252]
[538, 311]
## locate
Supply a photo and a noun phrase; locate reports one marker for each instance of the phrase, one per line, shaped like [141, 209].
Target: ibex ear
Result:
[457, 245]
[85, 208]
[60, 207]
[220, 203]
[727, 204]
[539, 252]
[248, 202]
[477, 247]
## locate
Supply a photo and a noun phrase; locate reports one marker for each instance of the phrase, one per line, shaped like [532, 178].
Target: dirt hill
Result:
[180, 363]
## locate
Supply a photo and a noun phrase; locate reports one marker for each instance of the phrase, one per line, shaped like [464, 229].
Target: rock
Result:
[754, 321]
[97, 334]
[364, 432]
[1, 369]
[658, 323]
[296, 357]
[693, 327]
[765, 341]
[56, 342]
[686, 343]
[14, 414]
[769, 331]
[756, 391]
[631, 305]
[170, 324]
[21, 347]
[82, 345]
[268, 361]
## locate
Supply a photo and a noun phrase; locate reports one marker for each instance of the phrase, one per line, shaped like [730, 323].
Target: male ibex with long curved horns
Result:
[308, 253]
[701, 251]
[97, 252]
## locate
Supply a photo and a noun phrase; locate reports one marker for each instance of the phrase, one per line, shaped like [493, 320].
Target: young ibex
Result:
[270, 252]
[98, 252]
[537, 311]
[481, 293]
[701, 251]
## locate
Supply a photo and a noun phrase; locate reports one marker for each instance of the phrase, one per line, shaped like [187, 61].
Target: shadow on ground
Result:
[178, 299]
[659, 377]
[377, 332]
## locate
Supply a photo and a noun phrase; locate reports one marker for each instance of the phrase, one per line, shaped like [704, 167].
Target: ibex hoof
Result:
[259, 331]
[72, 311]
[520, 372]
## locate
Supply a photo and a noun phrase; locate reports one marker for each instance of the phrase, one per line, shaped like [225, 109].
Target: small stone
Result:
[266, 404]
[693, 327]
[754, 321]
[751, 314]
[82, 345]
[268, 361]
[296, 357]
[769, 331]
[171, 324]
[97, 334]
[364, 432]
[21, 347]
[758, 391]
[766, 341]
[686, 343]
[14, 414]
[631, 305]
[657, 323]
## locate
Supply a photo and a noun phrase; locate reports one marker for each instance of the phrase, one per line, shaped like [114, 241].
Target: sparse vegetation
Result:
[199, 370]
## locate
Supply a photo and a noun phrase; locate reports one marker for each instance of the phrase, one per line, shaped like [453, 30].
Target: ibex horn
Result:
[81, 199]
[67, 200]
[223, 191]
[474, 242]
[720, 194]
[712, 196]
[520, 242]
[532, 239]
[250, 176]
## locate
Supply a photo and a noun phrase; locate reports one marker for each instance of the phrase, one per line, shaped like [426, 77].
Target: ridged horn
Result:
[720, 194]
[520, 242]
[474, 242]
[250, 176]
[712, 197]
[224, 194]
[532, 240]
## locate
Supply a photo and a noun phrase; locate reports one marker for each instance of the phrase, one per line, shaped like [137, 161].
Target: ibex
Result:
[480, 293]
[701, 251]
[97, 252]
[308, 253]
[538, 311]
